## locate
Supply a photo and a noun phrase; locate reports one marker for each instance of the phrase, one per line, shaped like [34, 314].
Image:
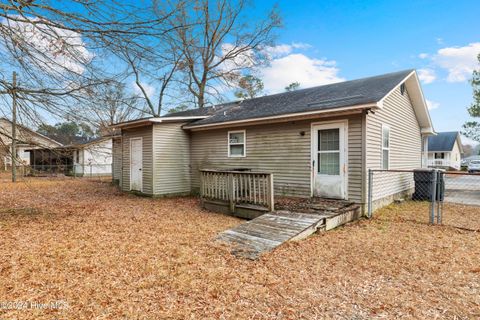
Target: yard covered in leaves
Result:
[108, 255]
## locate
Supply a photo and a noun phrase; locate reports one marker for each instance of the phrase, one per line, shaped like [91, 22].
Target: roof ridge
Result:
[299, 91]
[333, 83]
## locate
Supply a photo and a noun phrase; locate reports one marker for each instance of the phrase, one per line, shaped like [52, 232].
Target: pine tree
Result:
[471, 129]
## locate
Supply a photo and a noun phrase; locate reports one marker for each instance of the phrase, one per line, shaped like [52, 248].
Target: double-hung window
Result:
[237, 144]
[385, 147]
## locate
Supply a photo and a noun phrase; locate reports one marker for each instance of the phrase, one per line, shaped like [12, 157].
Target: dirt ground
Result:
[79, 249]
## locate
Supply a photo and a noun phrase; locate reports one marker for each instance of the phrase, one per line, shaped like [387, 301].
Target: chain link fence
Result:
[436, 196]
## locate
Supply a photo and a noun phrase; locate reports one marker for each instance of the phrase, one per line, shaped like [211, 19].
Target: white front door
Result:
[328, 159]
[136, 164]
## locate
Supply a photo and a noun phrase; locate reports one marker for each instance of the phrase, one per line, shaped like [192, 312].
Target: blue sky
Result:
[325, 41]
[353, 39]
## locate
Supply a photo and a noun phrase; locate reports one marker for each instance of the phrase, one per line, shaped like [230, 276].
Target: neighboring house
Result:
[445, 150]
[27, 140]
[319, 141]
[93, 158]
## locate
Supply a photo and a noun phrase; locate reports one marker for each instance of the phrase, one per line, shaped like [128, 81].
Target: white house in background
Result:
[445, 150]
[27, 140]
[94, 158]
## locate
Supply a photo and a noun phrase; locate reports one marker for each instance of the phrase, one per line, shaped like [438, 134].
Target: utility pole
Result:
[14, 127]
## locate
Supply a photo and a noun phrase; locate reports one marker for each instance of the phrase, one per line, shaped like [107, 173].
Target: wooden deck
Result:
[268, 231]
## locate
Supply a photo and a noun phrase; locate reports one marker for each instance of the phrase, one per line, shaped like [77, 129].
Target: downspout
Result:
[424, 163]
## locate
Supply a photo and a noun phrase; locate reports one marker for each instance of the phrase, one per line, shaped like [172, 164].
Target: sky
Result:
[326, 41]
[330, 41]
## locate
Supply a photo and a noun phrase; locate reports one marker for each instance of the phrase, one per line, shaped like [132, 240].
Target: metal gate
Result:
[453, 197]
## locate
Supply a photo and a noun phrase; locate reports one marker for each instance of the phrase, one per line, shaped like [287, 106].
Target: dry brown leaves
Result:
[111, 255]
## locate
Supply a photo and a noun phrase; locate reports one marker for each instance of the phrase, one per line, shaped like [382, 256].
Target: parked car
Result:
[474, 166]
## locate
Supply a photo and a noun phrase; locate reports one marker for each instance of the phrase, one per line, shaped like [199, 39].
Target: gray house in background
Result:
[319, 141]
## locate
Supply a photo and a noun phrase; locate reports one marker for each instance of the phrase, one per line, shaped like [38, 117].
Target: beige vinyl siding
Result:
[146, 134]
[117, 160]
[171, 159]
[278, 148]
[455, 156]
[405, 143]
[355, 159]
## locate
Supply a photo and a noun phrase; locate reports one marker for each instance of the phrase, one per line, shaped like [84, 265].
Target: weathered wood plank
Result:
[268, 231]
[237, 187]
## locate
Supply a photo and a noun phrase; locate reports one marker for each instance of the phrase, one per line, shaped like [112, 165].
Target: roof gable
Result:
[443, 141]
[25, 135]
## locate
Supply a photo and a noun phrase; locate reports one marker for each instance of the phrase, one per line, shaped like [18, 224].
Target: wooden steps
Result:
[268, 231]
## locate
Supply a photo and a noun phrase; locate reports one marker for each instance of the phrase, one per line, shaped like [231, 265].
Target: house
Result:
[445, 150]
[319, 141]
[27, 140]
[93, 158]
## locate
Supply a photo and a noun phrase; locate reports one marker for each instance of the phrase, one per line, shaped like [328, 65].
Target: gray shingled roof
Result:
[443, 141]
[337, 95]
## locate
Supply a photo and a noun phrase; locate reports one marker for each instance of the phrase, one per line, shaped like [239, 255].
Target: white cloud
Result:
[237, 60]
[427, 75]
[284, 49]
[301, 45]
[432, 104]
[423, 55]
[149, 89]
[458, 61]
[57, 50]
[277, 51]
[298, 67]
[286, 65]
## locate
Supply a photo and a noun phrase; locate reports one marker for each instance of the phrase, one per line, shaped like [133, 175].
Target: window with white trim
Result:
[385, 147]
[237, 144]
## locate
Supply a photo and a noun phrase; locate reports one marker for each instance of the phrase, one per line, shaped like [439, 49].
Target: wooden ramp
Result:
[270, 230]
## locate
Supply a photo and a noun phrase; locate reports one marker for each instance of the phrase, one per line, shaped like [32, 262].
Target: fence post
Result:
[370, 188]
[433, 195]
[441, 194]
[271, 192]
[231, 192]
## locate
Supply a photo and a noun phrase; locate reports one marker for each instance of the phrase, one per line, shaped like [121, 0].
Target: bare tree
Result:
[61, 51]
[64, 51]
[158, 67]
[219, 42]
[110, 104]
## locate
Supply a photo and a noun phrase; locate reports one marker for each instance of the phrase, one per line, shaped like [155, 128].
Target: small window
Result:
[439, 155]
[236, 143]
[402, 89]
[385, 147]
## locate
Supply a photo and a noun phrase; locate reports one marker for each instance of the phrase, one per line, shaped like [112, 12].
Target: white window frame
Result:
[384, 126]
[237, 144]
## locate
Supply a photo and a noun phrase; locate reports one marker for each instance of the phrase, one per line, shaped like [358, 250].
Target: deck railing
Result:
[442, 163]
[238, 187]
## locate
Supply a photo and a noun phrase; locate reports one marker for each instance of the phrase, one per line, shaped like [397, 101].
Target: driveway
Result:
[464, 189]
